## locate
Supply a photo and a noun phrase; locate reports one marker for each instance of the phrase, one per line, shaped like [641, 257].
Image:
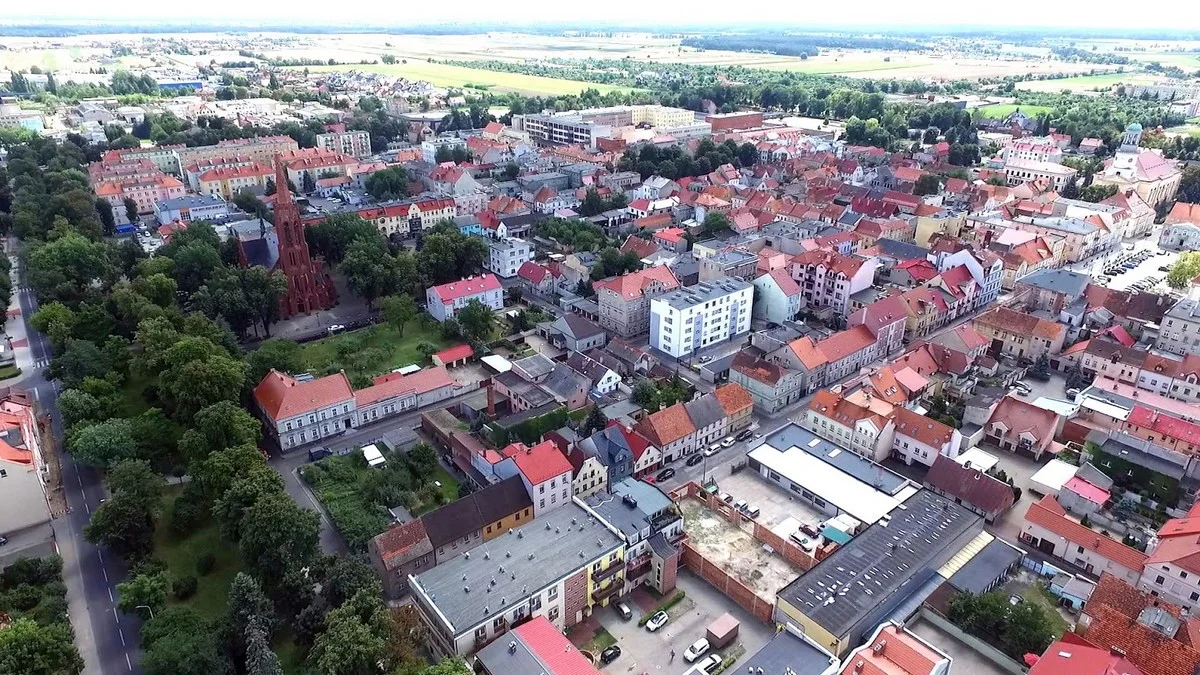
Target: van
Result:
[752, 511]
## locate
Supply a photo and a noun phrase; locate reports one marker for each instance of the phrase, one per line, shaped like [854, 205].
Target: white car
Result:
[709, 663]
[728, 442]
[696, 650]
[658, 620]
[709, 452]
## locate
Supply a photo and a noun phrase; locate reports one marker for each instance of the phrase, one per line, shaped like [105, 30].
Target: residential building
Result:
[696, 317]
[1018, 426]
[737, 404]
[970, 487]
[896, 571]
[398, 553]
[568, 387]
[846, 351]
[802, 356]
[538, 278]
[708, 418]
[444, 301]
[1077, 656]
[886, 319]
[543, 469]
[1048, 529]
[465, 604]
[624, 301]
[735, 264]
[537, 646]
[1182, 229]
[649, 523]
[779, 296]
[603, 379]
[1180, 328]
[226, 181]
[1152, 634]
[1052, 290]
[144, 192]
[298, 412]
[191, 207]
[25, 519]
[507, 255]
[575, 333]
[406, 218]
[1021, 335]
[260, 149]
[670, 430]
[589, 472]
[350, 143]
[1056, 176]
[894, 650]
[862, 424]
[480, 517]
[923, 439]
[829, 279]
[772, 386]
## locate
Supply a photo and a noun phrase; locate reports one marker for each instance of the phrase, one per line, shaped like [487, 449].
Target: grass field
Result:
[1085, 82]
[1041, 597]
[180, 555]
[1002, 110]
[444, 75]
[367, 353]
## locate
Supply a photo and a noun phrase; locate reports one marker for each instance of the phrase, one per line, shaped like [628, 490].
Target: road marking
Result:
[117, 616]
[110, 595]
[79, 479]
[122, 634]
[100, 556]
[105, 572]
[127, 662]
[87, 507]
[37, 395]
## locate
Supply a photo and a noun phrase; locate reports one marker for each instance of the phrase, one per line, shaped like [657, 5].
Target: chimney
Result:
[491, 399]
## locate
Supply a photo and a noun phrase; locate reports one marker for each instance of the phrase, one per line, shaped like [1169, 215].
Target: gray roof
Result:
[190, 202]
[705, 291]
[564, 382]
[705, 411]
[608, 446]
[510, 421]
[1059, 281]
[498, 658]
[534, 366]
[1134, 450]
[529, 391]
[468, 514]
[793, 435]
[786, 653]
[587, 366]
[985, 567]
[523, 563]
[623, 408]
[902, 250]
[1185, 309]
[633, 515]
[843, 590]
[576, 326]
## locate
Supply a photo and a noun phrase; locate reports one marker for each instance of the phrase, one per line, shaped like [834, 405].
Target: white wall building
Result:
[353, 143]
[443, 302]
[505, 256]
[692, 318]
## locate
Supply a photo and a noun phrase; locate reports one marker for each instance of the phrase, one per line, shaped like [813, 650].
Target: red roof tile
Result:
[538, 463]
[850, 341]
[281, 396]
[455, 353]
[1049, 515]
[553, 649]
[450, 292]
[1172, 427]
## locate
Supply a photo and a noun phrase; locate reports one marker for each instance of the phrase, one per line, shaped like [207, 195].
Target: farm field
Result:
[1085, 82]
[444, 75]
[1002, 110]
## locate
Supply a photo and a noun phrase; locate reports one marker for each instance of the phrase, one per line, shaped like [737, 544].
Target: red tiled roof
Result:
[227, 172]
[970, 485]
[637, 442]
[455, 353]
[921, 428]
[538, 463]
[671, 234]
[1049, 515]
[533, 272]
[644, 248]
[395, 384]
[398, 540]
[450, 292]
[1077, 656]
[785, 281]
[634, 284]
[553, 649]
[281, 396]
[842, 344]
[806, 350]
[733, 398]
[1172, 427]
[667, 426]
[1153, 652]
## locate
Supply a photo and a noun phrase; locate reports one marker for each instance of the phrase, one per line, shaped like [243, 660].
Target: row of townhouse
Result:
[686, 428]
[406, 217]
[1021, 335]
[1164, 375]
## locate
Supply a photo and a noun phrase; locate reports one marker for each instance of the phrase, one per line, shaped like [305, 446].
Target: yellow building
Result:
[227, 181]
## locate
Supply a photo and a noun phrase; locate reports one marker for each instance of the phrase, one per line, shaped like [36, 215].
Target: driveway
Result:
[643, 651]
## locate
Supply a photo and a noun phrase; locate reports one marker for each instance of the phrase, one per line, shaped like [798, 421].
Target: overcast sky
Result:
[1174, 14]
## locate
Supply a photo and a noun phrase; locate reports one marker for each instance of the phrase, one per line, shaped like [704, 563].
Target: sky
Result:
[1174, 14]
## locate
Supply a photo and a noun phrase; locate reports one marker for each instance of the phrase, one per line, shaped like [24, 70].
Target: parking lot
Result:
[1147, 273]
[780, 513]
[644, 651]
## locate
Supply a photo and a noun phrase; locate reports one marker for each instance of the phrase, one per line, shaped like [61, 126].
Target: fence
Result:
[731, 588]
[987, 651]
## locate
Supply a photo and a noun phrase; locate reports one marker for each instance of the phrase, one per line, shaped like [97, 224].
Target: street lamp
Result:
[148, 608]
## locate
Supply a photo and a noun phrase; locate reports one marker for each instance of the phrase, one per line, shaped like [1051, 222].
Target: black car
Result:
[318, 453]
[609, 655]
[665, 474]
[694, 459]
[744, 435]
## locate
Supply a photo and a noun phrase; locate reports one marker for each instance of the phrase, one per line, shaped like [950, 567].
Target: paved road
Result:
[106, 639]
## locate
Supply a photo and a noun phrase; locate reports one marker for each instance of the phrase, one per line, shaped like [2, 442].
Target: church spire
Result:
[281, 184]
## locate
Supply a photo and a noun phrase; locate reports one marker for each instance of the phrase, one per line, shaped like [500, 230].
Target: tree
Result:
[307, 184]
[62, 269]
[332, 236]
[131, 210]
[277, 535]
[1186, 268]
[260, 658]
[134, 481]
[423, 460]
[398, 310]
[178, 641]
[477, 321]
[355, 639]
[1041, 368]
[32, 649]
[1189, 186]
[715, 221]
[511, 171]
[144, 590]
[453, 666]
[594, 421]
[104, 210]
[1070, 190]
[387, 184]
[928, 184]
[370, 269]
[122, 526]
[103, 444]
[221, 425]
[1097, 192]
[645, 394]
[283, 355]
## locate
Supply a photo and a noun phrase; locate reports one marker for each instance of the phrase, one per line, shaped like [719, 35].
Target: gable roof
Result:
[733, 398]
[281, 396]
[463, 288]
[538, 463]
[401, 543]
[468, 514]
[970, 485]
[1019, 417]
[667, 425]
[845, 343]
[924, 429]
[1050, 515]
[634, 284]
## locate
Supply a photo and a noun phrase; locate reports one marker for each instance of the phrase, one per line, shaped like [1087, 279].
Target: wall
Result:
[727, 585]
[995, 656]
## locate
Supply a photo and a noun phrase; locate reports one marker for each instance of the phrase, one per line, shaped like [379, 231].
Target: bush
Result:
[52, 610]
[55, 589]
[148, 566]
[33, 571]
[184, 587]
[188, 512]
[22, 598]
[663, 606]
[205, 564]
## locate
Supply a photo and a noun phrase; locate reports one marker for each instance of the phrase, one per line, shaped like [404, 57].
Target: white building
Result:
[1019, 171]
[1180, 328]
[505, 256]
[779, 296]
[189, 208]
[692, 318]
[443, 302]
[353, 143]
[922, 439]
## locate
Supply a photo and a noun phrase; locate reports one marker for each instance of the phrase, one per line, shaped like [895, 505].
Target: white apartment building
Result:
[921, 439]
[443, 302]
[1019, 171]
[1041, 149]
[353, 143]
[696, 317]
[1180, 329]
[505, 256]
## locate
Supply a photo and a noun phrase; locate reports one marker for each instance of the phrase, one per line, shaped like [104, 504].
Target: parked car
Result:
[709, 663]
[623, 610]
[740, 505]
[3, 541]
[335, 328]
[712, 450]
[752, 511]
[657, 621]
[728, 442]
[318, 453]
[610, 654]
[694, 460]
[810, 530]
[696, 650]
[725, 497]
[1022, 385]
[1072, 394]
[744, 435]
[665, 474]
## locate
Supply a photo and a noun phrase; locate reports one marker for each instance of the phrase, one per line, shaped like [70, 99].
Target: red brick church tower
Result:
[309, 287]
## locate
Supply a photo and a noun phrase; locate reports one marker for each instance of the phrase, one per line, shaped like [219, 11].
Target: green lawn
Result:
[373, 351]
[599, 642]
[1041, 597]
[1001, 110]
[449, 490]
[180, 555]
[1085, 82]
[8, 372]
[444, 75]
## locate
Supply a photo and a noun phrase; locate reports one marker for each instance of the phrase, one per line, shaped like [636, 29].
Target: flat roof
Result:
[856, 465]
[829, 482]
[978, 459]
[630, 515]
[845, 588]
[978, 573]
[1054, 475]
[1056, 405]
[497, 363]
[705, 291]
[788, 652]
[501, 574]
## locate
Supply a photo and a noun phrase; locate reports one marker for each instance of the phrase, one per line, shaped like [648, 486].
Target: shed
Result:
[454, 356]
[373, 456]
[1051, 478]
[496, 363]
[722, 631]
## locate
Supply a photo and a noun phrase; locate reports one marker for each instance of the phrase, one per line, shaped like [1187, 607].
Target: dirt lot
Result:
[734, 549]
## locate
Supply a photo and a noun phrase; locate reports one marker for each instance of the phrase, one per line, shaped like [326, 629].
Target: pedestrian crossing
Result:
[41, 363]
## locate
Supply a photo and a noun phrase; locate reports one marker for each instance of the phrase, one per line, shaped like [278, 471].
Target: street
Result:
[107, 640]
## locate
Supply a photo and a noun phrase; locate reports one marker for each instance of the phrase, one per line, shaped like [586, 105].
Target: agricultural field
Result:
[1086, 83]
[443, 75]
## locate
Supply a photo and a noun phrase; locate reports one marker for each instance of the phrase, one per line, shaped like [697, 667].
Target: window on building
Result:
[1159, 580]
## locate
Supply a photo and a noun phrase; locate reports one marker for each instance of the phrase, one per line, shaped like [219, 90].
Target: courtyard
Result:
[733, 549]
